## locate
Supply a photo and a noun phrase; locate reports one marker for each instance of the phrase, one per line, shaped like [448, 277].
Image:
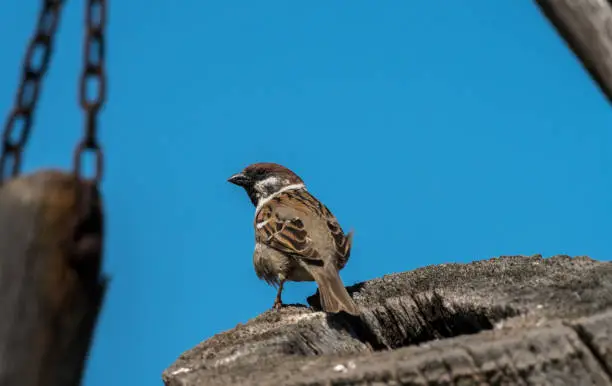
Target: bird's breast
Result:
[270, 265]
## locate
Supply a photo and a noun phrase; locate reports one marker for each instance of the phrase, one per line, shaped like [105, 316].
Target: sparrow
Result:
[297, 238]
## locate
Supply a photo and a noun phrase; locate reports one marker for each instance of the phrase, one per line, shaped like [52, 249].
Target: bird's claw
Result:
[278, 304]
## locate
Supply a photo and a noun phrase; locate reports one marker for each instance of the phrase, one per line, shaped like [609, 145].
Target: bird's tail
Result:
[334, 296]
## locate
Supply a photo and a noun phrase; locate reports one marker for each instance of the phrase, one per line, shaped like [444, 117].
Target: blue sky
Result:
[440, 131]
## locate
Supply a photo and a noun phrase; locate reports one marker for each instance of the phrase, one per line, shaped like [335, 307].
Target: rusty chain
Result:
[15, 135]
[93, 79]
[92, 82]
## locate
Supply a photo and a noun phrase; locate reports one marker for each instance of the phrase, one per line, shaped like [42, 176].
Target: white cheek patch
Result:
[263, 185]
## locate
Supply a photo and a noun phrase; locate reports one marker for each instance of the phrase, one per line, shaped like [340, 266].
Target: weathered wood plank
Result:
[586, 26]
[512, 320]
[50, 285]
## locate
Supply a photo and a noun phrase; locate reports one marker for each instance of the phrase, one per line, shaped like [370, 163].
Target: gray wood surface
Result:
[586, 26]
[50, 285]
[516, 320]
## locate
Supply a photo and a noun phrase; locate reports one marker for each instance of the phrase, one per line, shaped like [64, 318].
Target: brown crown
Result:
[265, 169]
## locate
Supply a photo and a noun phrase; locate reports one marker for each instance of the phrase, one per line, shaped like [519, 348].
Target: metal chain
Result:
[19, 123]
[93, 81]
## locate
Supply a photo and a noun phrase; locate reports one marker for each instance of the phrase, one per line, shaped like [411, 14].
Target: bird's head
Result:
[263, 179]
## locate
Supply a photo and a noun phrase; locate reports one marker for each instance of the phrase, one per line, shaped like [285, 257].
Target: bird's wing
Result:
[279, 224]
[342, 242]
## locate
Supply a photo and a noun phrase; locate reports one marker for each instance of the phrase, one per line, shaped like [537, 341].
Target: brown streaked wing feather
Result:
[343, 248]
[285, 235]
[289, 236]
[342, 242]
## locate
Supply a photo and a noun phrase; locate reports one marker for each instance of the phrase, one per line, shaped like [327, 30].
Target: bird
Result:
[297, 238]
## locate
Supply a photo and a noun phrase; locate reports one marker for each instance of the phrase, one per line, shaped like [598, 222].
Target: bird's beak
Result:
[239, 179]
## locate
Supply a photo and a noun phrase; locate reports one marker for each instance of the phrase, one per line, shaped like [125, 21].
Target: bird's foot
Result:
[278, 304]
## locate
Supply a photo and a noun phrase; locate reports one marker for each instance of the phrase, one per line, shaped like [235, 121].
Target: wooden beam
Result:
[50, 285]
[512, 320]
[586, 26]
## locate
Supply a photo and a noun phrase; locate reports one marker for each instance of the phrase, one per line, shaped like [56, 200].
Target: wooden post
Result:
[50, 285]
[586, 26]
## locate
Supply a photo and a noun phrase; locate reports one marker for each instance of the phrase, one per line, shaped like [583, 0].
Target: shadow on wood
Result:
[51, 290]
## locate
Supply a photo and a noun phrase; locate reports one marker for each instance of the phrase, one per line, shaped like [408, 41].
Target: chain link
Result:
[19, 123]
[92, 87]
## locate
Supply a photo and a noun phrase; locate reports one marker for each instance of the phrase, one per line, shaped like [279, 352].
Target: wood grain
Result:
[51, 290]
[586, 26]
[513, 320]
